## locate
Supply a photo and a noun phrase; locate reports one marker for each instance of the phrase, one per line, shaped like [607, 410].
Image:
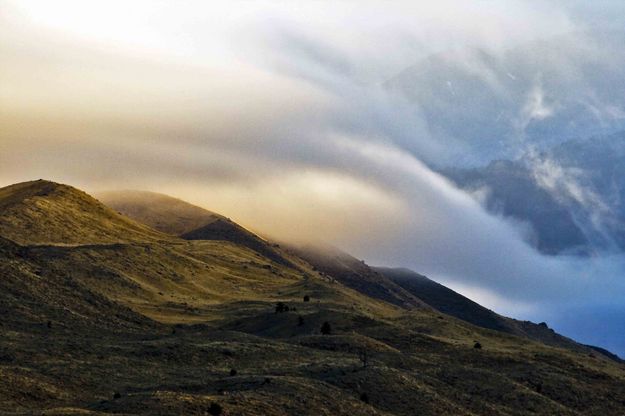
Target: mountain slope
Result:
[42, 212]
[177, 217]
[511, 191]
[444, 299]
[452, 303]
[551, 192]
[169, 326]
[33, 295]
[225, 230]
[161, 212]
[355, 274]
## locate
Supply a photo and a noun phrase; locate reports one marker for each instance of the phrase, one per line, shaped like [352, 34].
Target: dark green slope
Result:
[444, 299]
[452, 303]
[356, 274]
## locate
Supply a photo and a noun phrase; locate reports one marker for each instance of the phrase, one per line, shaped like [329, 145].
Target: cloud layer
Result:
[280, 117]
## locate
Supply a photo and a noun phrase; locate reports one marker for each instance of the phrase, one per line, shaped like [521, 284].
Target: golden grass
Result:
[163, 321]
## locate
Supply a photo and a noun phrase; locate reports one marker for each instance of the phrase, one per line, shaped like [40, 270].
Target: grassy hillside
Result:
[155, 325]
[161, 212]
[42, 212]
[177, 217]
[226, 230]
[454, 304]
[357, 275]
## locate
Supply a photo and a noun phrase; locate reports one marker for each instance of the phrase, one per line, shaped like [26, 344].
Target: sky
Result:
[276, 115]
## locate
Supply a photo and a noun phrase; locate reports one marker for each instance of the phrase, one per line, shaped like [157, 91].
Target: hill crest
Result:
[159, 211]
[187, 221]
[44, 212]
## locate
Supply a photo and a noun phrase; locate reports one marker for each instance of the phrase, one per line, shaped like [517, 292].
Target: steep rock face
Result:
[43, 212]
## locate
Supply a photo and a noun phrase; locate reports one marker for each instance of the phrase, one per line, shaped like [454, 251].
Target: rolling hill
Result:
[161, 212]
[190, 222]
[42, 212]
[155, 324]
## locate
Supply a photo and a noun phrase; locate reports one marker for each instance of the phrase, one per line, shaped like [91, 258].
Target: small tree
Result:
[477, 345]
[364, 397]
[326, 329]
[233, 372]
[363, 356]
[281, 307]
[215, 409]
[306, 298]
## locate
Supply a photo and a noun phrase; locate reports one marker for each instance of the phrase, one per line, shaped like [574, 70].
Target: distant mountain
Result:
[572, 194]
[485, 104]
[508, 188]
[226, 230]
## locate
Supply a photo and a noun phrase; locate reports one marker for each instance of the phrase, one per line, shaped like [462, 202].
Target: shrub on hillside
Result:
[326, 329]
[281, 307]
[215, 409]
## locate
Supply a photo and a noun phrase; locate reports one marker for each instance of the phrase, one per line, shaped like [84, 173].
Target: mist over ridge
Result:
[320, 125]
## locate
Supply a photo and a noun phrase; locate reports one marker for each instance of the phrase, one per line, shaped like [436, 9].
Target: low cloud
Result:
[280, 117]
[536, 106]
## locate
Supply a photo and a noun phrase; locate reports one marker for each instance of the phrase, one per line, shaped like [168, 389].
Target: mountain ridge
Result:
[452, 303]
[190, 222]
[526, 189]
[162, 212]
